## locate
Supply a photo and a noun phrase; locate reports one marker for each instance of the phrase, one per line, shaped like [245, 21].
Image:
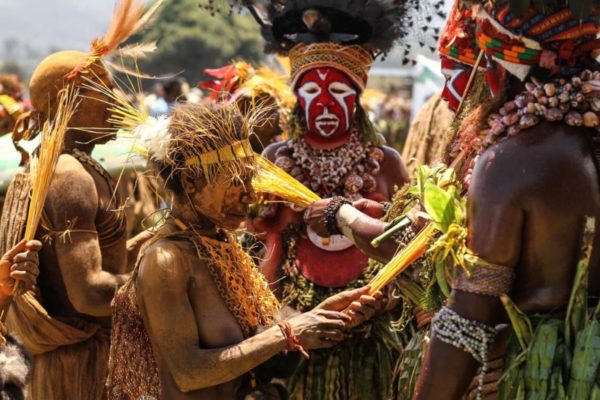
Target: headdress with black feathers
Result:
[375, 24]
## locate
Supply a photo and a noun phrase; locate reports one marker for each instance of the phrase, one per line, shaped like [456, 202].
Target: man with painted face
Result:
[334, 150]
[517, 322]
[65, 324]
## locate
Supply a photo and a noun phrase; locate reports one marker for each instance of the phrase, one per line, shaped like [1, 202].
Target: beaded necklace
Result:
[348, 170]
[574, 100]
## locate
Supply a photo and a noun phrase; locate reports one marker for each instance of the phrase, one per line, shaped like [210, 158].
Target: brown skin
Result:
[527, 204]
[78, 278]
[19, 264]
[198, 344]
[366, 228]
[393, 175]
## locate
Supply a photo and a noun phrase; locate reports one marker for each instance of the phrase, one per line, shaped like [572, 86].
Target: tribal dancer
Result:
[249, 87]
[66, 324]
[532, 179]
[533, 183]
[418, 286]
[334, 150]
[197, 317]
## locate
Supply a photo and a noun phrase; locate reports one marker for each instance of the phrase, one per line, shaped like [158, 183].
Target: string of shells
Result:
[576, 101]
[348, 170]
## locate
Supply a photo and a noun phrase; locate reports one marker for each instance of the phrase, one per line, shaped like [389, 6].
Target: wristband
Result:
[292, 341]
[331, 214]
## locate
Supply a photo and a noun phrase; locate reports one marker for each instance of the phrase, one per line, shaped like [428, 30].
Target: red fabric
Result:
[329, 269]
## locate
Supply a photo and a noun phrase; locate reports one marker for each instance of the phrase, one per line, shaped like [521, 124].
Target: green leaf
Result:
[440, 276]
[422, 175]
[586, 360]
[439, 204]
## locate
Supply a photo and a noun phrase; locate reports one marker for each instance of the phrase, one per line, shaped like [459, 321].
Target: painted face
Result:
[457, 78]
[225, 201]
[327, 97]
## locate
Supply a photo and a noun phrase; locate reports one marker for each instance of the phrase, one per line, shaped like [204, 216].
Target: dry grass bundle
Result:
[42, 166]
[124, 115]
[273, 180]
[415, 249]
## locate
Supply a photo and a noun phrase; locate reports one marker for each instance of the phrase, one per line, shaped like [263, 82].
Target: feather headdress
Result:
[559, 36]
[240, 79]
[375, 24]
[580, 9]
[128, 18]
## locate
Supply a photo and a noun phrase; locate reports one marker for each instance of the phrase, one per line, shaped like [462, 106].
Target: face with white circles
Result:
[328, 98]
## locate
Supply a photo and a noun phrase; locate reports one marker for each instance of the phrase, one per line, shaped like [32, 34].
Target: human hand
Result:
[319, 329]
[343, 300]
[19, 264]
[365, 308]
[314, 217]
[373, 209]
[357, 304]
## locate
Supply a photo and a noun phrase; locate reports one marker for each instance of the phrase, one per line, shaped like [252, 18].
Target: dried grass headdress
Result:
[209, 139]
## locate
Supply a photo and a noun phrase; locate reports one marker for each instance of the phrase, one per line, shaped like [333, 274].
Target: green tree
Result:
[190, 39]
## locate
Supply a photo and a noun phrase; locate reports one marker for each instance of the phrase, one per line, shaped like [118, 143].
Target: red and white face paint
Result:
[327, 97]
[457, 79]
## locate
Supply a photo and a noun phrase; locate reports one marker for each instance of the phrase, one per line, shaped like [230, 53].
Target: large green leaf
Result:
[439, 204]
[540, 359]
[586, 360]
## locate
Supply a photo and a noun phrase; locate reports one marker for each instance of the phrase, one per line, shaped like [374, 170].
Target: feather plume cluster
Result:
[375, 24]
[129, 18]
[153, 137]
[15, 369]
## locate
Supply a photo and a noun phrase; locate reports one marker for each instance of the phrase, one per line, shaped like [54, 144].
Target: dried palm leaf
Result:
[273, 180]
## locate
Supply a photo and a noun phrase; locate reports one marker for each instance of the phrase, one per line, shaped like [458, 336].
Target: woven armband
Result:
[486, 279]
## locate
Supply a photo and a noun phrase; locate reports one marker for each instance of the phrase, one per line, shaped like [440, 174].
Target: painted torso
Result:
[325, 266]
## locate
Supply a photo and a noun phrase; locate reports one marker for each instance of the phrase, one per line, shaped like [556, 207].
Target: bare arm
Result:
[135, 244]
[495, 226]
[361, 225]
[72, 203]
[364, 226]
[164, 279]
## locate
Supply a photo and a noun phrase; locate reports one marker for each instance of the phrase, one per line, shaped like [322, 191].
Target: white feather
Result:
[154, 136]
